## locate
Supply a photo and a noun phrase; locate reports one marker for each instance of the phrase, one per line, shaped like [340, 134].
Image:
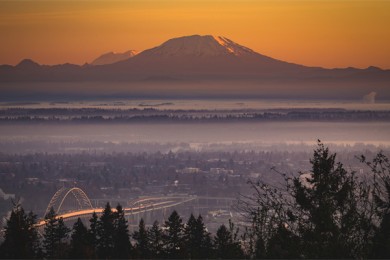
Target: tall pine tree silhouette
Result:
[122, 245]
[197, 240]
[141, 241]
[156, 243]
[225, 246]
[80, 247]
[105, 233]
[173, 237]
[20, 235]
[54, 236]
[93, 234]
[327, 200]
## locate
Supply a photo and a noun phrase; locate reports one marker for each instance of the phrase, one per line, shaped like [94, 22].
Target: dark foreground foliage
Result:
[328, 212]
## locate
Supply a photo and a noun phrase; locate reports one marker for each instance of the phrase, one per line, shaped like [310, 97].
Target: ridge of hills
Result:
[195, 59]
[188, 57]
[111, 57]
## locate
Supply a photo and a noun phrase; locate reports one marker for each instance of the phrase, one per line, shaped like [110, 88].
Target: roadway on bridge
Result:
[128, 211]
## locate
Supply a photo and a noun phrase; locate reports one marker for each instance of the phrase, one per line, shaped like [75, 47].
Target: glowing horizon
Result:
[312, 33]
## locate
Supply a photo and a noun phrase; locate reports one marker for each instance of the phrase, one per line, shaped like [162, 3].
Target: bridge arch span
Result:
[58, 199]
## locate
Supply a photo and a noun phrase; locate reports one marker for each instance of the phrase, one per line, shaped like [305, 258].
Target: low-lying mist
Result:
[182, 136]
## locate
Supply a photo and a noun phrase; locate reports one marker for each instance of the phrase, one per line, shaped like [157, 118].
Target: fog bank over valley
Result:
[197, 136]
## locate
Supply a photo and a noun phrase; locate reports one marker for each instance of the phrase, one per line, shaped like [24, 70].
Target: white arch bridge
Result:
[72, 203]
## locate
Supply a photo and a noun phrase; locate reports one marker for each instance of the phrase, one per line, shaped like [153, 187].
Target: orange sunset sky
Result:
[325, 33]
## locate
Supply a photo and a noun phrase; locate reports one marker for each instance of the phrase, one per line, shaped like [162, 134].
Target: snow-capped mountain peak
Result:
[197, 45]
[111, 57]
[233, 47]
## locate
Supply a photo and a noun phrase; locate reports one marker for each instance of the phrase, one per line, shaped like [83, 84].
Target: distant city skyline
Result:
[312, 33]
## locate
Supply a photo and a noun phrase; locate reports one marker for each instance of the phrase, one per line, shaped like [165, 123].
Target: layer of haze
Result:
[373, 133]
[314, 33]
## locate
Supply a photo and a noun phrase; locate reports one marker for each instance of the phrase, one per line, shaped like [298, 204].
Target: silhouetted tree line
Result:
[154, 115]
[108, 238]
[325, 213]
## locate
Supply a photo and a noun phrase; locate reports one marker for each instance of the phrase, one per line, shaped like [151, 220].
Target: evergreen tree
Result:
[173, 237]
[62, 234]
[327, 201]
[191, 243]
[122, 245]
[141, 241]
[79, 243]
[105, 233]
[93, 234]
[206, 246]
[50, 237]
[20, 235]
[225, 246]
[55, 235]
[156, 246]
[222, 243]
[197, 239]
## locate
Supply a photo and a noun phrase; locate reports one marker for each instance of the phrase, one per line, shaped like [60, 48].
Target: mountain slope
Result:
[203, 56]
[187, 58]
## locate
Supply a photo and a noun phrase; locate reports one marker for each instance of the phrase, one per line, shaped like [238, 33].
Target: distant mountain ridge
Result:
[111, 57]
[194, 57]
[190, 58]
